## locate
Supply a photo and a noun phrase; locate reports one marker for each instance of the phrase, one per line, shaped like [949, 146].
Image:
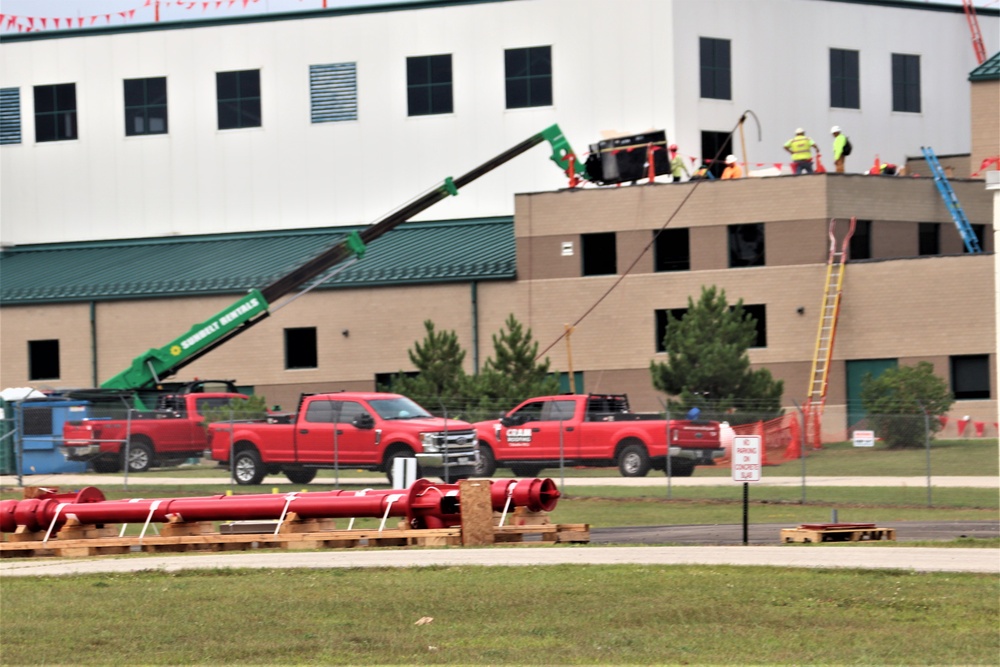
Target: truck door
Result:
[314, 431]
[537, 434]
[172, 429]
[357, 442]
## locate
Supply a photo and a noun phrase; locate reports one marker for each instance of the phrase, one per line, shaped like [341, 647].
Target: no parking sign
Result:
[746, 458]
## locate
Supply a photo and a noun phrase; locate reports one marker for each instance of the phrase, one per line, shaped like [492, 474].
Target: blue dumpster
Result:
[40, 426]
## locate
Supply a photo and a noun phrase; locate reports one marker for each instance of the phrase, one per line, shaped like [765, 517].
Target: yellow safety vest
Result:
[801, 147]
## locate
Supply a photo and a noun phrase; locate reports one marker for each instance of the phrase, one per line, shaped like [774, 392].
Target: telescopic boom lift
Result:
[150, 368]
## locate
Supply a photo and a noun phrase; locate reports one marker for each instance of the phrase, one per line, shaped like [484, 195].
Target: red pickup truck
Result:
[593, 430]
[366, 430]
[168, 435]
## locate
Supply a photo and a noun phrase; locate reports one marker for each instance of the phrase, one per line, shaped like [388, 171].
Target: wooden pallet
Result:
[837, 532]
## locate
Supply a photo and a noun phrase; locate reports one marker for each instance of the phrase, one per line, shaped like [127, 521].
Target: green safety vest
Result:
[801, 147]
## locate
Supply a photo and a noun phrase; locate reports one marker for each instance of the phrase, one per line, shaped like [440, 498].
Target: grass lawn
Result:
[496, 615]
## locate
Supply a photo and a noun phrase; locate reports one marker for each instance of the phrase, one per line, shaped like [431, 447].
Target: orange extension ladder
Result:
[829, 312]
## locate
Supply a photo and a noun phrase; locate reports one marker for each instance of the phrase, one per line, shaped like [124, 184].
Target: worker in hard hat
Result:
[801, 147]
[733, 169]
[677, 166]
[839, 141]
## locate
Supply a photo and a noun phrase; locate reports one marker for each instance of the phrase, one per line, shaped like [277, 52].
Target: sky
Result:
[32, 15]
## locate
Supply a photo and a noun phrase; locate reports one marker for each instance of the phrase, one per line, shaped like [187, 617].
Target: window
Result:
[970, 376]
[428, 85]
[746, 245]
[905, 83]
[300, 348]
[759, 313]
[10, 115]
[715, 69]
[528, 77]
[239, 99]
[333, 92]
[555, 411]
[672, 250]
[599, 254]
[845, 80]
[532, 412]
[145, 106]
[980, 232]
[321, 412]
[43, 359]
[55, 112]
[716, 144]
[861, 242]
[662, 318]
[929, 238]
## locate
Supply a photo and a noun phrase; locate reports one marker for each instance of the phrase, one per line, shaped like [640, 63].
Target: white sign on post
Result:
[746, 458]
[864, 438]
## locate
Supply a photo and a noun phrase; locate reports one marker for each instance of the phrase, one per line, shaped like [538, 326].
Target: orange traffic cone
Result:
[820, 169]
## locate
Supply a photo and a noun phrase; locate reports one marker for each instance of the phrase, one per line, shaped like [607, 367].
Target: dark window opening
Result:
[43, 360]
[428, 85]
[384, 381]
[239, 99]
[599, 254]
[672, 250]
[300, 348]
[146, 106]
[715, 146]
[845, 79]
[662, 322]
[861, 242]
[716, 71]
[929, 238]
[905, 83]
[979, 231]
[528, 77]
[746, 245]
[970, 376]
[759, 313]
[55, 112]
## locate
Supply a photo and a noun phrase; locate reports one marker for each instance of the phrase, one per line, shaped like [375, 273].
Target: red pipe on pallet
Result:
[424, 504]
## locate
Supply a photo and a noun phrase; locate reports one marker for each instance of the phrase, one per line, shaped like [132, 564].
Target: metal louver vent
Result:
[10, 115]
[333, 92]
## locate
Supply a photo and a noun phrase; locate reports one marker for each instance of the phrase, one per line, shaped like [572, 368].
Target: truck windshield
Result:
[398, 408]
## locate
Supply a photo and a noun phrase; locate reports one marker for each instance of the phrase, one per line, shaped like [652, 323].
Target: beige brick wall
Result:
[985, 109]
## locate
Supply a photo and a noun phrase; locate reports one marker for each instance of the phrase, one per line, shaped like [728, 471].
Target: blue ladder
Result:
[951, 201]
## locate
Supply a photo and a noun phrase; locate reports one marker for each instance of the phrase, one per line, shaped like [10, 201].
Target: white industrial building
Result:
[336, 142]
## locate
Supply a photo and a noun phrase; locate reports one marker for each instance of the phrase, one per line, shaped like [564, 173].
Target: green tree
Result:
[512, 374]
[707, 364]
[902, 402]
[441, 381]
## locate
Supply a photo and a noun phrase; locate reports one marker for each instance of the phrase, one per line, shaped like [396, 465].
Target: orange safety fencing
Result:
[780, 438]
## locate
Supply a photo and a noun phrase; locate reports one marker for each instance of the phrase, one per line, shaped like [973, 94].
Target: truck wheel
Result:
[487, 462]
[681, 468]
[247, 467]
[390, 462]
[526, 469]
[633, 461]
[140, 457]
[300, 476]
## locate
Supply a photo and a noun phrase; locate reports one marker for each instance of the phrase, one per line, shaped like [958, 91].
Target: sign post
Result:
[746, 468]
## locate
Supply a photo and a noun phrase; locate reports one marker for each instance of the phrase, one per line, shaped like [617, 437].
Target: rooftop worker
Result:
[801, 148]
[839, 141]
[677, 165]
[733, 169]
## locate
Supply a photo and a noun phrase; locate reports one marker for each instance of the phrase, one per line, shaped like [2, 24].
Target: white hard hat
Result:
[799, 130]
[834, 129]
[730, 159]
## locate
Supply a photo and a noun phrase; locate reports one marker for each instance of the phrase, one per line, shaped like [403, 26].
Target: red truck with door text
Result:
[593, 430]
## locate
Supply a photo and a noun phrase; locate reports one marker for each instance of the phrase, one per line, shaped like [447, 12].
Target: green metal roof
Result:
[988, 71]
[413, 253]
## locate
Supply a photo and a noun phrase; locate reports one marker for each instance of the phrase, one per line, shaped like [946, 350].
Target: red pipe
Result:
[424, 504]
